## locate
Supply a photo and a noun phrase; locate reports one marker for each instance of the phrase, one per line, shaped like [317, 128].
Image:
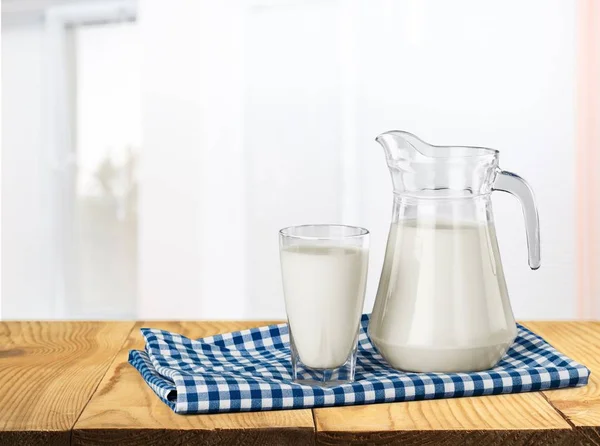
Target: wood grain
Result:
[49, 371]
[518, 418]
[580, 341]
[124, 410]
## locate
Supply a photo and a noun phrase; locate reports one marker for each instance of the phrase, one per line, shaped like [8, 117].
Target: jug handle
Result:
[517, 186]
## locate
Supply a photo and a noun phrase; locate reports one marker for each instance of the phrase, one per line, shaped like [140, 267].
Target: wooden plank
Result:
[124, 410]
[515, 419]
[519, 418]
[49, 371]
[580, 341]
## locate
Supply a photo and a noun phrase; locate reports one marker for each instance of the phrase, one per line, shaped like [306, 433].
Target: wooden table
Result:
[70, 383]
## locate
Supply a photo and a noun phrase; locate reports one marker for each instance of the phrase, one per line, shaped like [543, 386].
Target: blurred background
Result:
[152, 149]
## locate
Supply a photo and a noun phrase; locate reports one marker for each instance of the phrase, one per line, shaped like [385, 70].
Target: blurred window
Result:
[108, 140]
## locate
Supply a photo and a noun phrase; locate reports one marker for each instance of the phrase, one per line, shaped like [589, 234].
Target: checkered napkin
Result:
[250, 370]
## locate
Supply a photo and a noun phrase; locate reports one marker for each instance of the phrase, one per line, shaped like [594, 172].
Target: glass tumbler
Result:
[324, 273]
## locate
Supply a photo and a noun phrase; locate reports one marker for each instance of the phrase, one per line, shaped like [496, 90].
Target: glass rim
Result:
[360, 232]
[486, 151]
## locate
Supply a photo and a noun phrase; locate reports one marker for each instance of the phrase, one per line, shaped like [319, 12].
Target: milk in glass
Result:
[324, 288]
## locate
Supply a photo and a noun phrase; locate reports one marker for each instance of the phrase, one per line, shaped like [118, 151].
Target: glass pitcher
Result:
[442, 303]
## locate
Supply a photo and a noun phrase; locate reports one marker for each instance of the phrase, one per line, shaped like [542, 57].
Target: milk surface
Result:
[324, 288]
[442, 303]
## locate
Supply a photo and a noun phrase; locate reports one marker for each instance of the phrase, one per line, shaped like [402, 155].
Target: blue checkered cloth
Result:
[250, 370]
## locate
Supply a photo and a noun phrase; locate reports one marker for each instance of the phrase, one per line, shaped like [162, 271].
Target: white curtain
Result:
[261, 114]
[258, 114]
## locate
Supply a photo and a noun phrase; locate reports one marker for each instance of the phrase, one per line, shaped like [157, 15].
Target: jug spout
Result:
[389, 143]
[399, 145]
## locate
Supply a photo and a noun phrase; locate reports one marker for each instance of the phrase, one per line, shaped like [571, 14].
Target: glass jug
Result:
[442, 303]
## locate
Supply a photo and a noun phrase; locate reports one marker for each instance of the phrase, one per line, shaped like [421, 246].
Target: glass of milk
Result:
[324, 273]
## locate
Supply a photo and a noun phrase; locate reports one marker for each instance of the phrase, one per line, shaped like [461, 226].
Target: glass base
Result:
[308, 376]
[321, 383]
